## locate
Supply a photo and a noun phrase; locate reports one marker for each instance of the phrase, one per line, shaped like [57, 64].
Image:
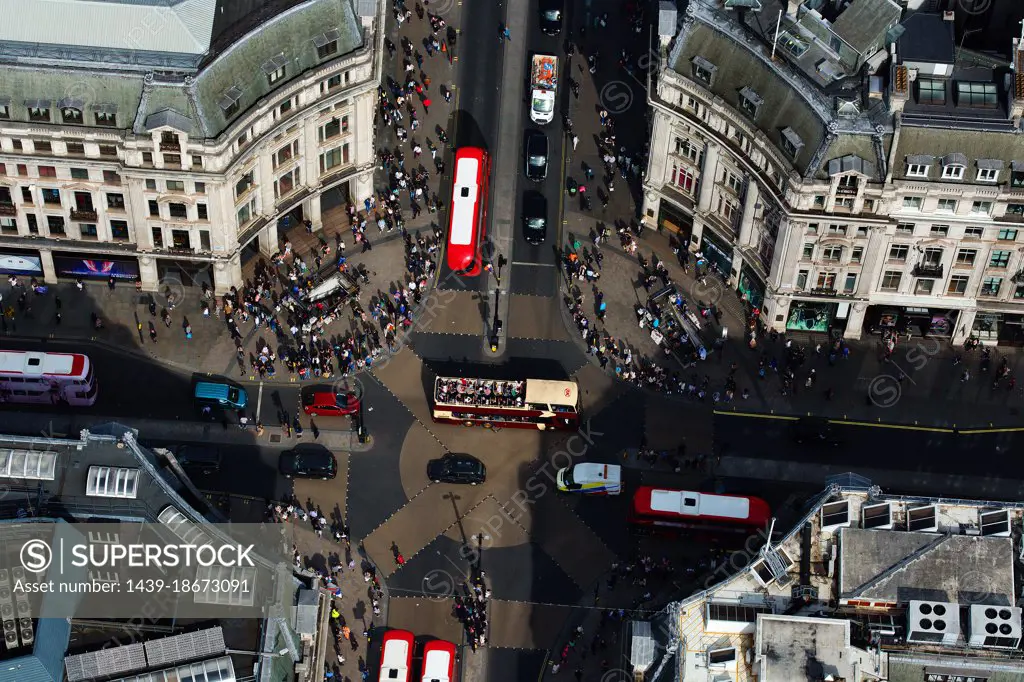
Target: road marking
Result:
[1008, 429]
[538, 265]
[756, 415]
[899, 427]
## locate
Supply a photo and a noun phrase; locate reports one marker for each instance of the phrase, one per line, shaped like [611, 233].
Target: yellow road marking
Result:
[852, 422]
[1008, 429]
[757, 415]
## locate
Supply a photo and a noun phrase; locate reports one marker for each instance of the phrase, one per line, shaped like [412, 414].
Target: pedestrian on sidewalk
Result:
[426, 105]
[111, 282]
[447, 94]
[575, 141]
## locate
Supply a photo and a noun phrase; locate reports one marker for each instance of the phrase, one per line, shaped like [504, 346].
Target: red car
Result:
[322, 401]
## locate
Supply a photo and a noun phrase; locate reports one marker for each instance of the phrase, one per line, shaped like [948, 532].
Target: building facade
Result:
[858, 172]
[169, 142]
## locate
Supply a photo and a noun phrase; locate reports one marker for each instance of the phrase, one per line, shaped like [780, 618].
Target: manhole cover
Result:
[275, 438]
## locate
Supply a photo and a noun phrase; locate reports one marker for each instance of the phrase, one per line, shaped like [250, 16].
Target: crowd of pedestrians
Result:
[471, 610]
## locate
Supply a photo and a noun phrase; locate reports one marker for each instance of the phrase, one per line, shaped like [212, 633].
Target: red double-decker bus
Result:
[521, 404]
[396, 656]
[657, 509]
[468, 211]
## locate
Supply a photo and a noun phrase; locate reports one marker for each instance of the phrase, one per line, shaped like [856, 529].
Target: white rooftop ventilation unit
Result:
[930, 622]
[923, 519]
[995, 627]
[876, 516]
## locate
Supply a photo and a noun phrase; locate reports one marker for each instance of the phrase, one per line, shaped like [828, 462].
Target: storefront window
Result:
[812, 317]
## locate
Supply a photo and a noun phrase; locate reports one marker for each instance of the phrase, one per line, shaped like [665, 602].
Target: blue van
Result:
[221, 395]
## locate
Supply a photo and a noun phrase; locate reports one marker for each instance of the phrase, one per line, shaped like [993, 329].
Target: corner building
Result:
[170, 141]
[849, 167]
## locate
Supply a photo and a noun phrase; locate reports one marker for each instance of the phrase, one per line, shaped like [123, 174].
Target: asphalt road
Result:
[476, 122]
[534, 270]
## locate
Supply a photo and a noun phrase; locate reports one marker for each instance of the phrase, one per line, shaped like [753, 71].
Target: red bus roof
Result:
[737, 509]
[468, 187]
[27, 363]
[438, 661]
[396, 656]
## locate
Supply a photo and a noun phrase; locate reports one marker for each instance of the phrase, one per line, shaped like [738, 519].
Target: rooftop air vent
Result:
[995, 627]
[877, 516]
[923, 519]
[933, 623]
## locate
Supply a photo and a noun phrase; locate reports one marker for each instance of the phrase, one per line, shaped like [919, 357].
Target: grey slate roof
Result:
[735, 69]
[292, 34]
[937, 143]
[863, 24]
[927, 39]
[191, 108]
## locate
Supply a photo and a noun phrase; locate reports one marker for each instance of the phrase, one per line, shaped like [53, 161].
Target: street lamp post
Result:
[361, 434]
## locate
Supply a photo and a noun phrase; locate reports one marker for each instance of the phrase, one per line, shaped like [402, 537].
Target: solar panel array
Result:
[112, 661]
[187, 647]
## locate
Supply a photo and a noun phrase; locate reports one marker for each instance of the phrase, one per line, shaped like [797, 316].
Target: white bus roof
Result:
[436, 665]
[394, 660]
[35, 364]
[544, 392]
[696, 504]
[464, 198]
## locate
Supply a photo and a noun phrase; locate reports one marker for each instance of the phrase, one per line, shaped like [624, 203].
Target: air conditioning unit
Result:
[17, 573]
[930, 622]
[995, 627]
[27, 632]
[949, 16]
[911, 75]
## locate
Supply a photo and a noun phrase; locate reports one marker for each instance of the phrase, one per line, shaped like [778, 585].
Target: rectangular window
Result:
[5, 112]
[71, 116]
[16, 145]
[275, 75]
[898, 253]
[857, 255]
[158, 237]
[330, 84]
[115, 201]
[971, 94]
[178, 211]
[1007, 235]
[106, 120]
[75, 149]
[243, 184]
[981, 208]
[917, 170]
[891, 280]
[47, 172]
[119, 230]
[999, 259]
[837, 229]
[819, 201]
[931, 91]
[974, 232]
[204, 240]
[683, 178]
[79, 173]
[326, 50]
[991, 286]
[749, 102]
[957, 285]
[801, 279]
[150, 184]
[154, 208]
[850, 285]
[932, 257]
[22, 170]
[702, 74]
[946, 206]
[939, 230]
[200, 188]
[869, 206]
[55, 226]
[911, 203]
[844, 203]
[26, 195]
[1017, 178]
[827, 281]
[287, 183]
[197, 161]
[923, 287]
[331, 159]
[42, 147]
[108, 150]
[966, 257]
[147, 158]
[285, 107]
[988, 175]
[685, 147]
[172, 160]
[246, 212]
[812, 228]
[51, 196]
[733, 182]
[953, 172]
[201, 212]
[89, 232]
[39, 114]
[286, 153]
[175, 186]
[832, 253]
[808, 253]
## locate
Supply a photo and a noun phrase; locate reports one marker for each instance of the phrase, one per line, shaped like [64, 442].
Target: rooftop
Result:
[833, 596]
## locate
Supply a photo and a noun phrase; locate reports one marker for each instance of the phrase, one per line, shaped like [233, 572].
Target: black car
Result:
[312, 463]
[535, 218]
[457, 468]
[815, 430]
[203, 459]
[551, 17]
[536, 155]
